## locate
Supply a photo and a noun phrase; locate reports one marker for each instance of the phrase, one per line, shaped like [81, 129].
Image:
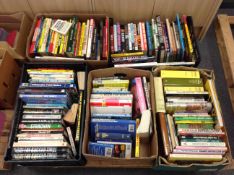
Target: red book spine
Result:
[107, 38]
[35, 35]
[110, 103]
[144, 36]
[104, 42]
[77, 39]
[112, 39]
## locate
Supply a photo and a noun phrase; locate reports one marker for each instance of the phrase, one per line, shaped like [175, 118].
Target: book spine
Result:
[141, 36]
[132, 36]
[78, 124]
[126, 37]
[140, 94]
[80, 50]
[180, 36]
[129, 37]
[179, 74]
[71, 141]
[122, 40]
[36, 35]
[144, 37]
[112, 137]
[135, 38]
[115, 38]
[203, 144]
[190, 46]
[91, 28]
[42, 34]
[86, 37]
[94, 44]
[112, 39]
[146, 90]
[106, 53]
[164, 133]
[149, 38]
[118, 37]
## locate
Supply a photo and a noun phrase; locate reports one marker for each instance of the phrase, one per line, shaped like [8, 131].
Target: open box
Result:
[78, 159]
[9, 79]
[148, 149]
[82, 18]
[21, 23]
[163, 163]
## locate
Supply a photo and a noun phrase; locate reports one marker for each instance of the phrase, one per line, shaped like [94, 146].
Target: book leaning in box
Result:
[119, 130]
[190, 118]
[46, 129]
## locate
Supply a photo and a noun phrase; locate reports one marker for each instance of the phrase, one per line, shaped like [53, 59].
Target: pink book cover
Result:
[140, 94]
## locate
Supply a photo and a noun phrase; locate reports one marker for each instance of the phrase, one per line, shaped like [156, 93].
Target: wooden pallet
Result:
[226, 47]
[4, 137]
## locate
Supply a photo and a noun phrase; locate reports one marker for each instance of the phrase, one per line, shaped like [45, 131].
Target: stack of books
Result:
[43, 132]
[55, 38]
[154, 41]
[191, 124]
[113, 121]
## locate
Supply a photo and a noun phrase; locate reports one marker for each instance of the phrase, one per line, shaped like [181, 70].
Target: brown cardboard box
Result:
[20, 22]
[162, 161]
[81, 17]
[148, 149]
[9, 79]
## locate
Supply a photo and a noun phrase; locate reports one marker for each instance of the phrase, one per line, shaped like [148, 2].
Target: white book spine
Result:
[203, 144]
[129, 36]
[91, 27]
[115, 38]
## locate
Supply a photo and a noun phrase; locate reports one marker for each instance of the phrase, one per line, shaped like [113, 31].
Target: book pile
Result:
[191, 123]
[55, 38]
[114, 123]
[154, 41]
[43, 130]
[9, 37]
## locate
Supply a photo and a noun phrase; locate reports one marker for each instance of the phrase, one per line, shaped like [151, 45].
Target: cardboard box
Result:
[148, 149]
[163, 164]
[82, 18]
[20, 22]
[9, 79]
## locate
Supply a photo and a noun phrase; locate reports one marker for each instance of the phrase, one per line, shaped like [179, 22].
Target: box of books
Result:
[49, 115]
[193, 134]
[9, 80]
[120, 128]
[66, 37]
[14, 30]
[155, 42]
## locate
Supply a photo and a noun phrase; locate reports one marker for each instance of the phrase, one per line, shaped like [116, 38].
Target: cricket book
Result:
[191, 125]
[116, 116]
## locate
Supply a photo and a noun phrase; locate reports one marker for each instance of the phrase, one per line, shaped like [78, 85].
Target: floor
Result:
[210, 60]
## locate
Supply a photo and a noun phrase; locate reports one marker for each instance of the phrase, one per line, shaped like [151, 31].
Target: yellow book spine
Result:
[194, 157]
[137, 147]
[183, 89]
[127, 54]
[194, 122]
[189, 39]
[159, 96]
[61, 45]
[179, 74]
[42, 35]
[57, 43]
[82, 39]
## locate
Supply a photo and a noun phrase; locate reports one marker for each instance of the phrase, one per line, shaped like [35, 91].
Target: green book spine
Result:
[40, 126]
[71, 36]
[186, 82]
[195, 118]
[195, 126]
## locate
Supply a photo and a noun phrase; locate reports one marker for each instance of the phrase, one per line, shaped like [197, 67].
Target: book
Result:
[101, 136]
[101, 149]
[179, 74]
[164, 133]
[194, 157]
[185, 82]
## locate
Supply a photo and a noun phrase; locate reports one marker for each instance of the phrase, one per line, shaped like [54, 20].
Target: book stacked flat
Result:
[113, 121]
[191, 124]
[154, 41]
[84, 39]
[42, 131]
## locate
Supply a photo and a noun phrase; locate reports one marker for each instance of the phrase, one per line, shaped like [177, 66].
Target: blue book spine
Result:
[113, 126]
[149, 38]
[101, 149]
[181, 35]
[45, 85]
[101, 136]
